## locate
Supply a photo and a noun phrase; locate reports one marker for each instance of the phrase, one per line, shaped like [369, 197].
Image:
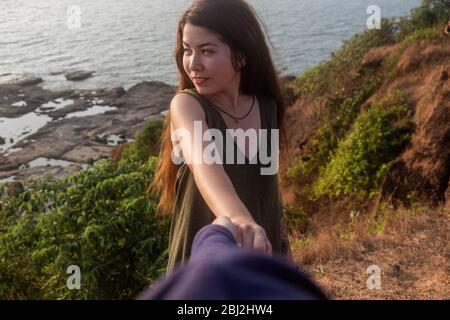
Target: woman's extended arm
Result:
[211, 179]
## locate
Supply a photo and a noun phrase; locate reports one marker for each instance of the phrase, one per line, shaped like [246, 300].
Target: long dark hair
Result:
[236, 24]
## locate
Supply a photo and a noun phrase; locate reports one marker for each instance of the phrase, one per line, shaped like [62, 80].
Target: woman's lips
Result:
[200, 81]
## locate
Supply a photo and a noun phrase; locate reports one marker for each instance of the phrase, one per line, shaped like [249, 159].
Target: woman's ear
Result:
[242, 61]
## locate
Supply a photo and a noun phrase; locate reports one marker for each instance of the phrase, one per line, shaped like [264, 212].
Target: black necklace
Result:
[236, 120]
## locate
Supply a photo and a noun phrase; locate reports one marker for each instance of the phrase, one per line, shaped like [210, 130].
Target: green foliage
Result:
[381, 215]
[301, 243]
[363, 157]
[429, 33]
[99, 219]
[320, 271]
[147, 142]
[296, 219]
[431, 13]
[342, 116]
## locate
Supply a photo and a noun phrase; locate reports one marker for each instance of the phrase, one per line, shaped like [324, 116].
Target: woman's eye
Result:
[188, 51]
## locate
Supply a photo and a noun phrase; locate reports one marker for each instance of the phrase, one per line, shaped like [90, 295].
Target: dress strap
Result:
[211, 120]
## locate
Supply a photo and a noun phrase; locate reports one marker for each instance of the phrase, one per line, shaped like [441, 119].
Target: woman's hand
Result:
[226, 222]
[249, 234]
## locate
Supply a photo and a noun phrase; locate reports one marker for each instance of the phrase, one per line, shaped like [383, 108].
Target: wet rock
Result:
[81, 140]
[19, 79]
[87, 154]
[56, 73]
[30, 81]
[78, 75]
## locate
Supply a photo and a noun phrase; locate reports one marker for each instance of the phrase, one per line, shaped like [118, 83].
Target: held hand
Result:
[250, 235]
[226, 222]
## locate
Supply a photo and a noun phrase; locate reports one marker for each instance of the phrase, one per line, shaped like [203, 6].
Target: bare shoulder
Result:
[185, 107]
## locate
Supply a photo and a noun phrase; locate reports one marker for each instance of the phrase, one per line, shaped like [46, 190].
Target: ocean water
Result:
[128, 41]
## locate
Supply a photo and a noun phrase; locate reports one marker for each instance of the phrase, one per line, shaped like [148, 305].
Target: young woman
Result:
[227, 81]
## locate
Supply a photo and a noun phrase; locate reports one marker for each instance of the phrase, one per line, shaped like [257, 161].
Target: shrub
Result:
[363, 157]
[342, 115]
[99, 219]
[430, 14]
[296, 219]
[147, 142]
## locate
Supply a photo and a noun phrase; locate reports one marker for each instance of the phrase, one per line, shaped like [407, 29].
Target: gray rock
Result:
[116, 92]
[78, 75]
[31, 81]
[77, 139]
[19, 79]
[56, 73]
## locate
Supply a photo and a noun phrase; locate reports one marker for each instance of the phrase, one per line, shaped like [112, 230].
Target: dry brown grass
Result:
[411, 247]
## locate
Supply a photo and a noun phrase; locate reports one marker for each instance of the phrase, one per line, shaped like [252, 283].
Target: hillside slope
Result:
[399, 218]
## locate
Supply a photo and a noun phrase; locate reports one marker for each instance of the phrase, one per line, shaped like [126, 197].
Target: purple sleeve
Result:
[218, 269]
[211, 239]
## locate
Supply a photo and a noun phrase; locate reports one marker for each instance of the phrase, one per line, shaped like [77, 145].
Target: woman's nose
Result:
[195, 63]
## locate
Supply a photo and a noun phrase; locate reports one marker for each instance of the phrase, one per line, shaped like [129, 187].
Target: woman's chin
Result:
[202, 90]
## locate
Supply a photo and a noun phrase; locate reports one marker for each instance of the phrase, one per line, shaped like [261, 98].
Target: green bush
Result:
[363, 157]
[429, 33]
[147, 142]
[296, 218]
[99, 219]
[430, 14]
[342, 115]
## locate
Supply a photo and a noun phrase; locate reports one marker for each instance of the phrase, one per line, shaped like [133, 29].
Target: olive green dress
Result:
[259, 193]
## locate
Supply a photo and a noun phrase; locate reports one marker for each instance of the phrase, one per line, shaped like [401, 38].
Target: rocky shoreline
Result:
[62, 131]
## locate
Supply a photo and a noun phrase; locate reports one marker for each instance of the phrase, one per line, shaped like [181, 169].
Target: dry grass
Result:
[411, 248]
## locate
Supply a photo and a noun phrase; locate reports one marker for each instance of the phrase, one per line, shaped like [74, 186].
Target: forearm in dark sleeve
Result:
[210, 241]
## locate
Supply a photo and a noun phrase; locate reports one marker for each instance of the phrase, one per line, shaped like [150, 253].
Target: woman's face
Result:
[205, 56]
